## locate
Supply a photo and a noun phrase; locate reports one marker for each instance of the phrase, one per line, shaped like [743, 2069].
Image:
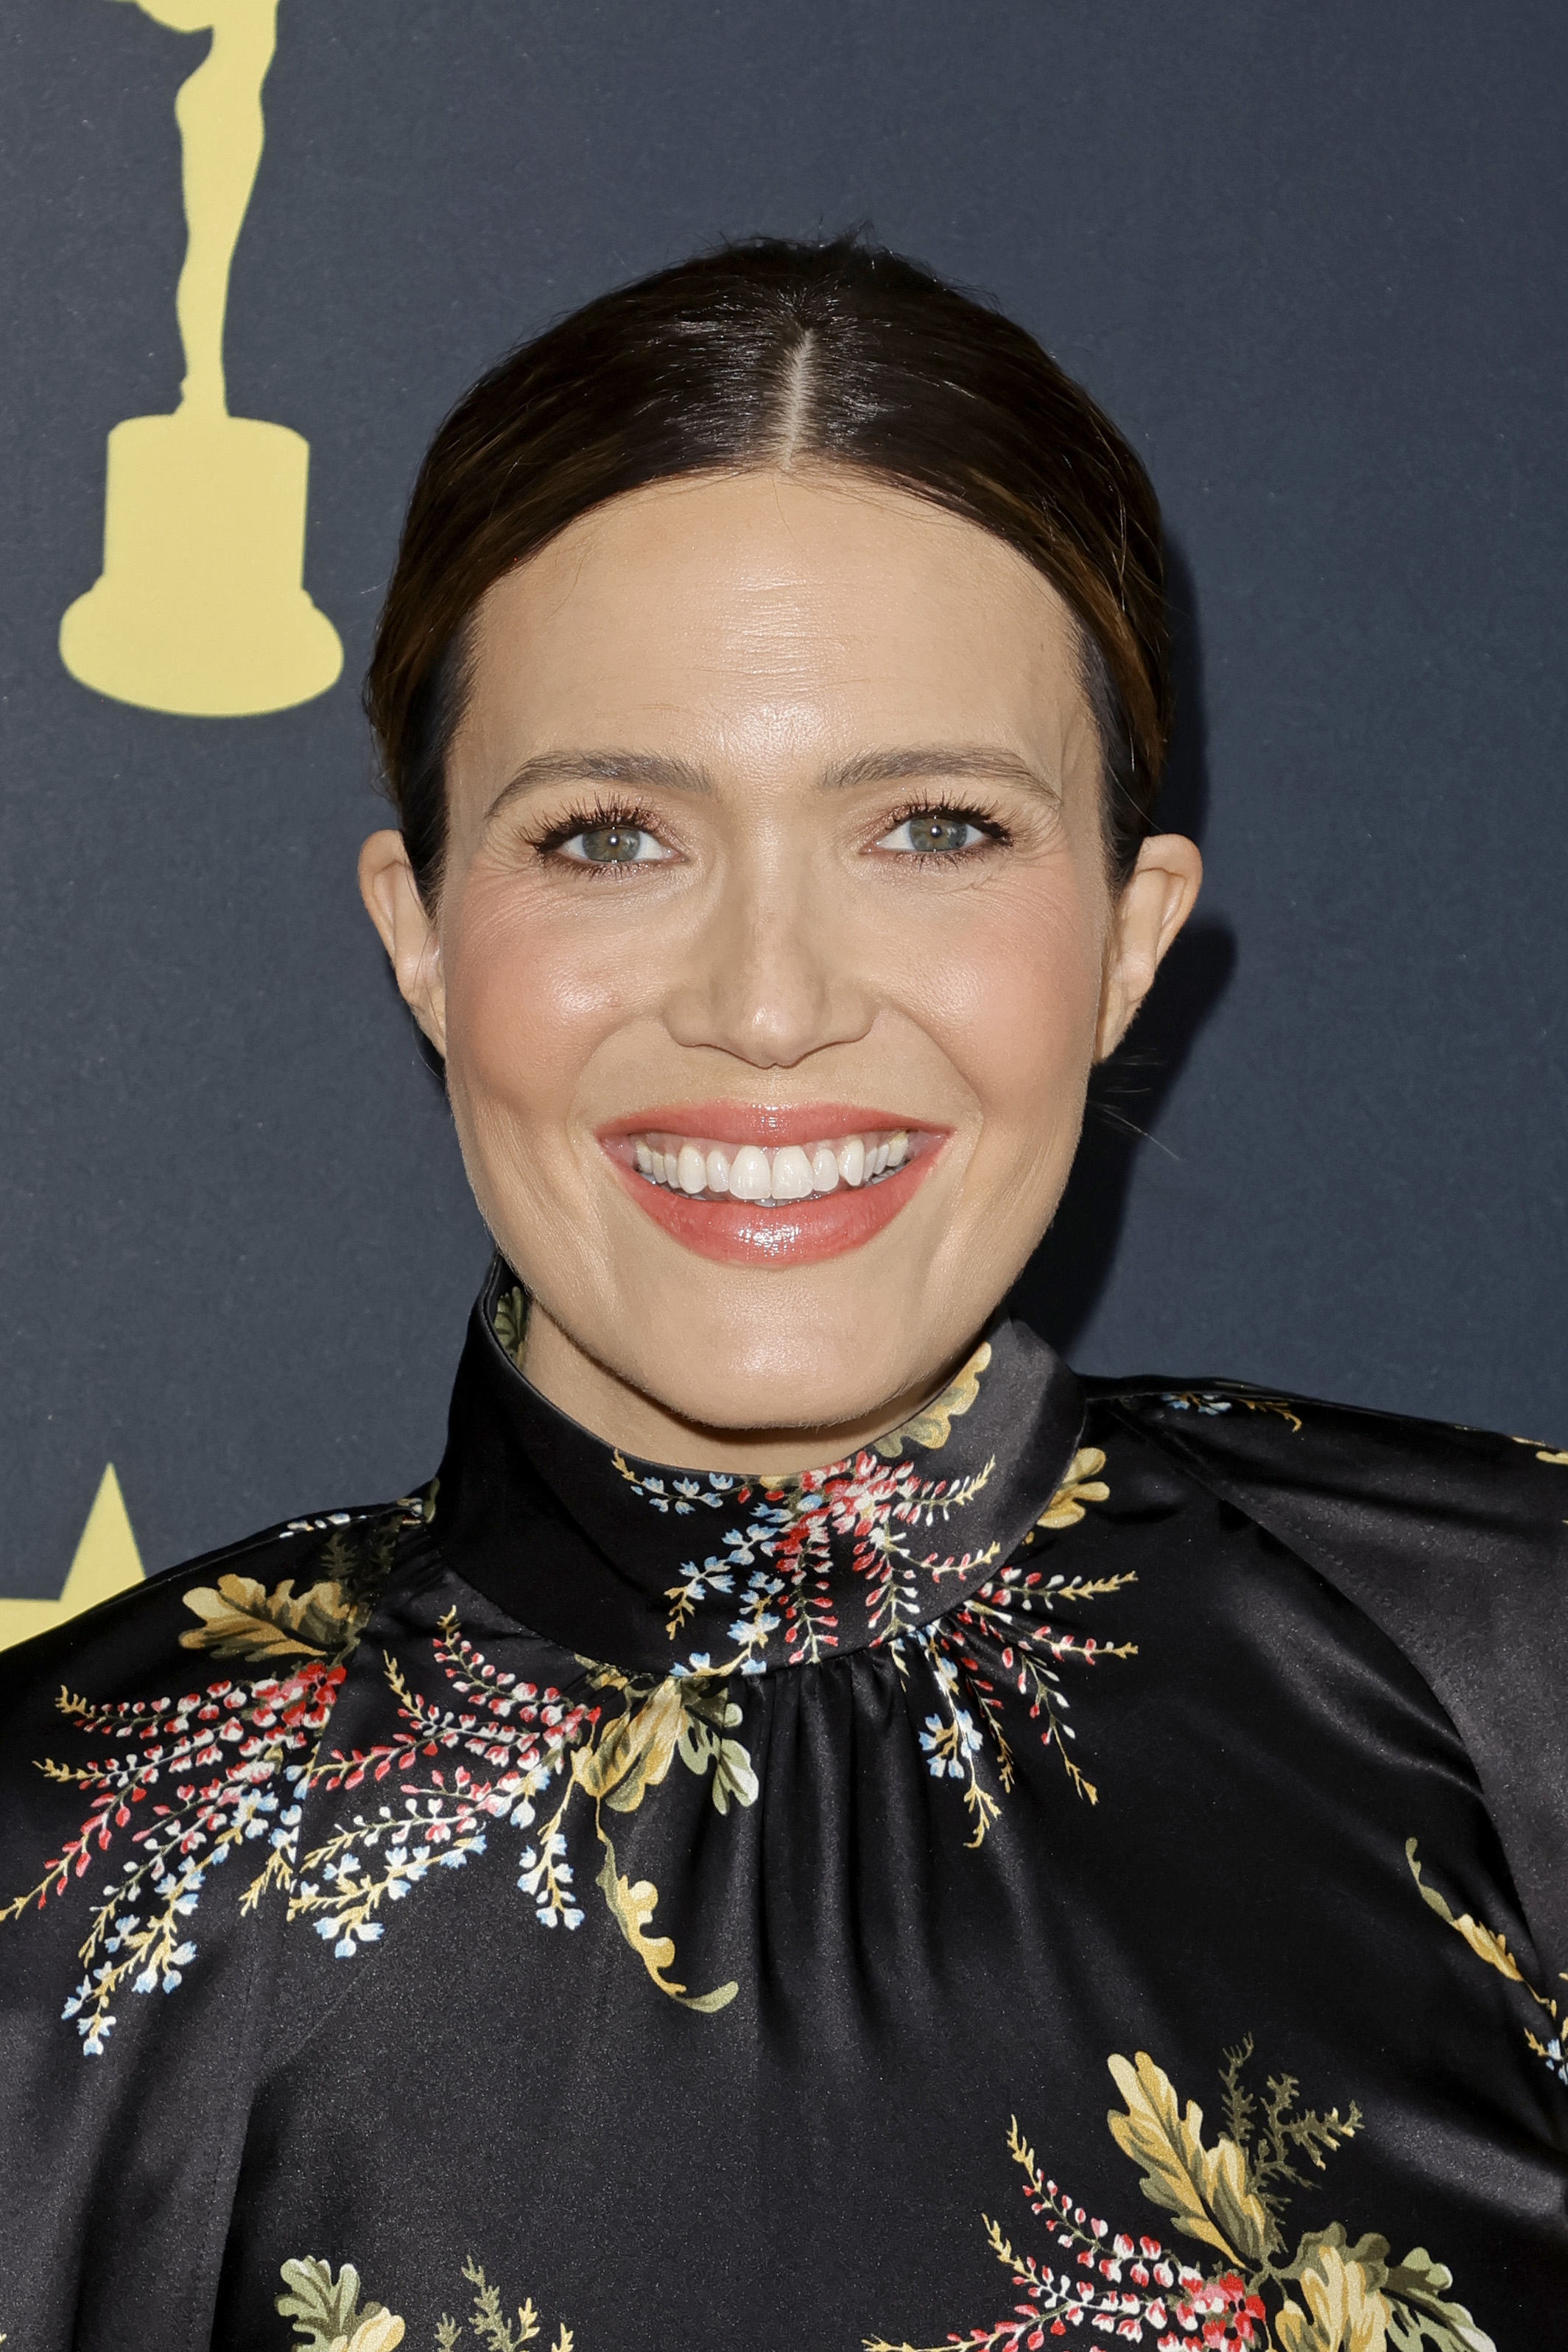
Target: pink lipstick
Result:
[755, 1184]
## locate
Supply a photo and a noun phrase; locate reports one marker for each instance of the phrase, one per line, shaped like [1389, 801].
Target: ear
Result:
[1159, 897]
[407, 932]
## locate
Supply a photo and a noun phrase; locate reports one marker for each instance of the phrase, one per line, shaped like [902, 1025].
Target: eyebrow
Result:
[651, 769]
[657, 769]
[981, 762]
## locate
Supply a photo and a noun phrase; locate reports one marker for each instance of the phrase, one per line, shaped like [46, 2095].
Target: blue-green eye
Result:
[614, 844]
[935, 831]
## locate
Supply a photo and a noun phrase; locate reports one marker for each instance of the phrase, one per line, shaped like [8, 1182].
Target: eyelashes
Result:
[998, 836]
[604, 814]
[598, 815]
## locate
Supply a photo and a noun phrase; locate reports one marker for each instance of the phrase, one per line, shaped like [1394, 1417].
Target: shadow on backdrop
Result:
[1063, 1282]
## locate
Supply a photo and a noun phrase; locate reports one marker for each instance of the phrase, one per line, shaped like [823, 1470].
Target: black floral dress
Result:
[1089, 1866]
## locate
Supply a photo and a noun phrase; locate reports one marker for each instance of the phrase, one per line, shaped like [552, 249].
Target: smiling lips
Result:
[760, 1186]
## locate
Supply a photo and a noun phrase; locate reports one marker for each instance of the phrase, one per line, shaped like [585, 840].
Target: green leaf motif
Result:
[1418, 2313]
[512, 1324]
[709, 1714]
[733, 1775]
[325, 2311]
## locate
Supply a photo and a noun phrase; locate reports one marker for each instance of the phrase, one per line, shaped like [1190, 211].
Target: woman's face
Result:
[776, 860]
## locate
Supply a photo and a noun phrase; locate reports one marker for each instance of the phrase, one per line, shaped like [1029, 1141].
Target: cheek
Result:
[1015, 997]
[526, 1009]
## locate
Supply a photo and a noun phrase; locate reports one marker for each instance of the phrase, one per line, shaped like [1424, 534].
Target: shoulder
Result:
[141, 1742]
[1453, 1541]
[1425, 1490]
[289, 1601]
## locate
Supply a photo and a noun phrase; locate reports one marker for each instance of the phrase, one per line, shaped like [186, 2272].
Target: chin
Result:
[805, 1363]
[774, 1403]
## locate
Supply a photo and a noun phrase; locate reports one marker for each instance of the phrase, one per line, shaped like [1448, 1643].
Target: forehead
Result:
[820, 608]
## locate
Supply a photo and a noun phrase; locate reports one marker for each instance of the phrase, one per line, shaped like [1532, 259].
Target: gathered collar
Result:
[663, 1570]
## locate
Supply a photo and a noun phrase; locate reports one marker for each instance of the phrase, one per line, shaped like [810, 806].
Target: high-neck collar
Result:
[656, 1569]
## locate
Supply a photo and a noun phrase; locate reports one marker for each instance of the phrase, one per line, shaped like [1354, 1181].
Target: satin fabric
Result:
[1088, 1867]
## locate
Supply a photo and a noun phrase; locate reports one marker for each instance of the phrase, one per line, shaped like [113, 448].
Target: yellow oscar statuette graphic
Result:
[106, 1561]
[201, 607]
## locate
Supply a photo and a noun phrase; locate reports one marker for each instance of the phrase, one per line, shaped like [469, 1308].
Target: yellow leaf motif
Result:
[1333, 2296]
[1204, 2189]
[1345, 2312]
[1486, 1945]
[240, 1619]
[632, 1908]
[1544, 1452]
[377, 2334]
[933, 1425]
[636, 1752]
[1082, 1484]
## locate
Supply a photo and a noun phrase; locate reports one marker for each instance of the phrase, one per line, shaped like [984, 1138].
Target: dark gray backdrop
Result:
[1309, 254]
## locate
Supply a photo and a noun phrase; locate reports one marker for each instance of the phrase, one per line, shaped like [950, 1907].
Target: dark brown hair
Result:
[777, 353]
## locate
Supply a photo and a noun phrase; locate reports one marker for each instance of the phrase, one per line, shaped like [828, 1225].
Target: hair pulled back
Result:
[777, 353]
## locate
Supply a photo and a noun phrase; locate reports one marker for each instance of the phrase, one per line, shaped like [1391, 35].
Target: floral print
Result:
[786, 1561]
[564, 1689]
[235, 1763]
[1328, 2295]
[1082, 1484]
[1490, 1947]
[780, 1562]
[1213, 1400]
[689, 1717]
[217, 1770]
[1001, 1646]
[329, 2317]
[529, 1738]
[232, 1765]
[996, 1641]
[784, 1566]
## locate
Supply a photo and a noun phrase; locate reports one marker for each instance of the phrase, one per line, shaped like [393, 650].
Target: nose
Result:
[772, 976]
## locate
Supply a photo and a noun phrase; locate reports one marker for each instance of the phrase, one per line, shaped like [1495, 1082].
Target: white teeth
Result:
[750, 1175]
[791, 1174]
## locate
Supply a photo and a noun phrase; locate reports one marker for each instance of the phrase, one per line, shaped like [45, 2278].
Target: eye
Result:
[614, 845]
[938, 832]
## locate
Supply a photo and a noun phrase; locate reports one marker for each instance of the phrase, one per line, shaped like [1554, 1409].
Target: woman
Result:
[809, 1774]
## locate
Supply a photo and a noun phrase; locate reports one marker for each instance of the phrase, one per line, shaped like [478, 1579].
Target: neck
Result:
[625, 1416]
